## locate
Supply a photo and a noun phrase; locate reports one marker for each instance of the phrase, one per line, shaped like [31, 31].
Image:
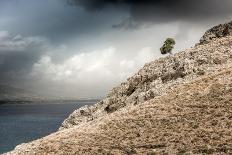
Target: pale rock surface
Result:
[218, 31]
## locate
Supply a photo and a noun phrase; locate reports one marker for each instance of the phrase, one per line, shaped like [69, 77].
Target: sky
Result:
[83, 48]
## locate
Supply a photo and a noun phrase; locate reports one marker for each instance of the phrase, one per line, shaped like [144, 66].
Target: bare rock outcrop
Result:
[218, 31]
[157, 77]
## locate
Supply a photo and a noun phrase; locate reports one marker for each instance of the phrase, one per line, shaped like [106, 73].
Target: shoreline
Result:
[23, 102]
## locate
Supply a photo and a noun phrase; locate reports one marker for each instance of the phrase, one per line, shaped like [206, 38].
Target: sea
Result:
[21, 123]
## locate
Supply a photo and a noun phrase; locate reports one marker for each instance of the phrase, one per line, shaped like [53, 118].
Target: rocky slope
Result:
[180, 104]
[157, 77]
[193, 118]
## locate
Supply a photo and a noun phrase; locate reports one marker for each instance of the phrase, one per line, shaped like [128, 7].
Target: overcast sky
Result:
[82, 48]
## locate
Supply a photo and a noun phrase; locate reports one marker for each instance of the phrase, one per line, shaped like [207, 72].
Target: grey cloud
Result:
[18, 54]
[53, 19]
[164, 10]
[128, 23]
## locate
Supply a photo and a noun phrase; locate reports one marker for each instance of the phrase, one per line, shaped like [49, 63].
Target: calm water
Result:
[20, 123]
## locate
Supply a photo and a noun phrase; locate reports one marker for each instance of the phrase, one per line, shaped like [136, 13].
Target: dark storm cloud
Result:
[18, 54]
[53, 19]
[164, 10]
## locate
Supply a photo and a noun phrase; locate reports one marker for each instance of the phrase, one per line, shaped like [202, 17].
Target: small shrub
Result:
[168, 46]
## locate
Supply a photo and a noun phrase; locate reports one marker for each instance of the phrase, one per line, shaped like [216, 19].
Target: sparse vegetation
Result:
[168, 46]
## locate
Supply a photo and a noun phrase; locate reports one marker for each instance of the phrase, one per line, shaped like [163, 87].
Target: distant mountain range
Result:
[10, 93]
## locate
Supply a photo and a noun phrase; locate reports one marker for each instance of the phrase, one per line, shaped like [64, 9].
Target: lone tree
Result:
[168, 46]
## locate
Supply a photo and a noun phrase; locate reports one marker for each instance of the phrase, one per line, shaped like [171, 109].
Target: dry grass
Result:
[192, 118]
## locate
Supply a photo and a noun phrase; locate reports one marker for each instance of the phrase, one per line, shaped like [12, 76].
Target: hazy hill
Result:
[180, 104]
[9, 93]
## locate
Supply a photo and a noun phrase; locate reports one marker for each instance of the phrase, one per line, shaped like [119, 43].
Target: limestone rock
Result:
[218, 31]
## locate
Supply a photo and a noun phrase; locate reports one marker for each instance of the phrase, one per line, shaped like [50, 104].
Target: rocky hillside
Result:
[159, 76]
[193, 118]
[180, 104]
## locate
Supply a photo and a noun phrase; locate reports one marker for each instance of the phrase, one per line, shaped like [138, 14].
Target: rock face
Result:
[157, 77]
[180, 104]
[219, 31]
